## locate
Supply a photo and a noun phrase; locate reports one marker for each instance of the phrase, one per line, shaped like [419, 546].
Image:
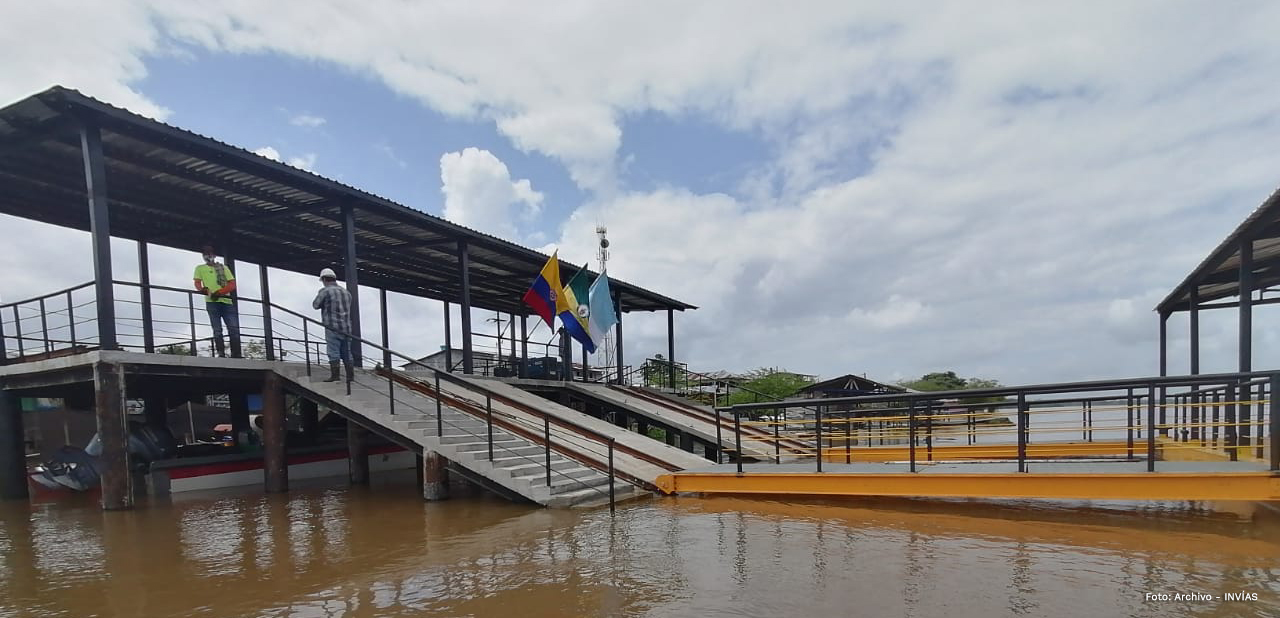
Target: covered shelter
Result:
[70, 160]
[849, 385]
[1241, 273]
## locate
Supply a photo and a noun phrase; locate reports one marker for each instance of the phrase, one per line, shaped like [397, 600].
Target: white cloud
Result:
[268, 152]
[1003, 191]
[304, 162]
[307, 120]
[479, 193]
[97, 48]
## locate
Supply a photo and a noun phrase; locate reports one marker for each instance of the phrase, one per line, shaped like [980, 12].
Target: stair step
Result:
[459, 438]
[481, 450]
[593, 496]
[540, 472]
[566, 483]
[519, 463]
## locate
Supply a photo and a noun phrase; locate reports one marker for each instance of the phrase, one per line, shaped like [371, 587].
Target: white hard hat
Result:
[328, 274]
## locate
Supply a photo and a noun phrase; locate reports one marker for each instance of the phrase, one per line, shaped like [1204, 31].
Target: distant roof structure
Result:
[850, 385]
[1218, 275]
[170, 187]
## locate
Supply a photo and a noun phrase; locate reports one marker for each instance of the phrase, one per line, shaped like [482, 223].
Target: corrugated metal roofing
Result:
[1218, 275]
[169, 186]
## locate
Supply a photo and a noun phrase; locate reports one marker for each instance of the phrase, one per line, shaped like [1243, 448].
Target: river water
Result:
[330, 550]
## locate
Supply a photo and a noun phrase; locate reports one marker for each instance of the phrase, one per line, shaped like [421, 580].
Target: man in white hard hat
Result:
[334, 303]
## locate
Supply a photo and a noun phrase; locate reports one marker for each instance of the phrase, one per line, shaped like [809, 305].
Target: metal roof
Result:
[850, 383]
[1218, 276]
[169, 186]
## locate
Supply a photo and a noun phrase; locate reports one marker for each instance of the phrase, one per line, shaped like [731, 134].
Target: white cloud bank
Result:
[479, 193]
[999, 189]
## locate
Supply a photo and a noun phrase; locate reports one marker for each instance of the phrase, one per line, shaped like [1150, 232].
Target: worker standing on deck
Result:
[334, 303]
[216, 282]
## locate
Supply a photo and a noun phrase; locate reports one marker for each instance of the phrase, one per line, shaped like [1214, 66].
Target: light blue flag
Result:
[601, 317]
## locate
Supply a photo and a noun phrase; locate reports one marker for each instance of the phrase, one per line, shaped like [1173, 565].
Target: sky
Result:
[1000, 189]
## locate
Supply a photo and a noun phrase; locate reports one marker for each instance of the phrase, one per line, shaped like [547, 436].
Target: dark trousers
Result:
[220, 313]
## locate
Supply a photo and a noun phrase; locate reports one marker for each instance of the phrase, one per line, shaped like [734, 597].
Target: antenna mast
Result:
[604, 348]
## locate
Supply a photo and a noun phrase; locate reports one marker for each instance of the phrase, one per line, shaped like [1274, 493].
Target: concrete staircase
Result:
[518, 467]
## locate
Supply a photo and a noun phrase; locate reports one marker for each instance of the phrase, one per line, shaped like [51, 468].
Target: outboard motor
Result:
[78, 469]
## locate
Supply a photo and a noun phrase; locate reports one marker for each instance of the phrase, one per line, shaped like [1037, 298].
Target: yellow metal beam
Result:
[982, 451]
[1251, 486]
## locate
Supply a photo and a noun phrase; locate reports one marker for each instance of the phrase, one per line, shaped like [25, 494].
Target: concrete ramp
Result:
[507, 455]
[636, 454]
[699, 425]
[787, 445]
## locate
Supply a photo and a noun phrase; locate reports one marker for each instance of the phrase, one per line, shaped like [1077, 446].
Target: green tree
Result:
[765, 384]
[949, 381]
[937, 381]
[251, 348]
[179, 349]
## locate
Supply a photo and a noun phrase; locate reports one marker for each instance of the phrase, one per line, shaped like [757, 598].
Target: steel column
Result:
[524, 347]
[464, 266]
[1023, 419]
[671, 346]
[268, 329]
[1274, 430]
[230, 260]
[1164, 368]
[448, 340]
[617, 307]
[566, 356]
[1246, 305]
[13, 460]
[95, 178]
[586, 375]
[1151, 433]
[386, 336]
[144, 286]
[274, 465]
[109, 409]
[4, 347]
[1246, 338]
[352, 276]
[1194, 317]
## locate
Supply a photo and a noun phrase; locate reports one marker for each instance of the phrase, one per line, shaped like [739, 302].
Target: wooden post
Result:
[108, 382]
[358, 451]
[274, 465]
[13, 461]
[435, 477]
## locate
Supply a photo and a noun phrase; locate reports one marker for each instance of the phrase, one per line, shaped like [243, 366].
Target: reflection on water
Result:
[334, 551]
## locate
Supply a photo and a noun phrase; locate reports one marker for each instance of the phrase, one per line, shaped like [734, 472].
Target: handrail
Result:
[1239, 401]
[516, 424]
[46, 296]
[718, 380]
[1064, 387]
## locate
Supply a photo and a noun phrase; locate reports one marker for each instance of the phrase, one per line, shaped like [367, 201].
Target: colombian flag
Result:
[545, 295]
[576, 310]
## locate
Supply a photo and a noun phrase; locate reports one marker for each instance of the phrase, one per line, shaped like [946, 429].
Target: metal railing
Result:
[168, 323]
[1227, 416]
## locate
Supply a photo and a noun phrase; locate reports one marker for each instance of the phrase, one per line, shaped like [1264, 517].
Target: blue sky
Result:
[370, 138]
[1005, 191]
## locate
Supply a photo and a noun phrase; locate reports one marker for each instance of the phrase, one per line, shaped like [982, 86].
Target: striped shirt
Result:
[334, 303]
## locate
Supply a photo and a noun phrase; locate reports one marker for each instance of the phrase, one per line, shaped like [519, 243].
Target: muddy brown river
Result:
[330, 550]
